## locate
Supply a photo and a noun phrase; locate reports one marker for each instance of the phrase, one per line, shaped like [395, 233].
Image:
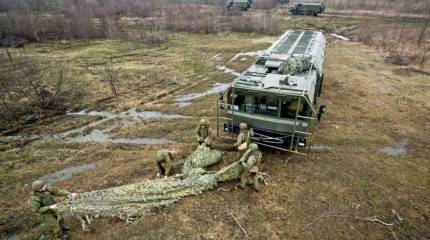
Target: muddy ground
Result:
[367, 177]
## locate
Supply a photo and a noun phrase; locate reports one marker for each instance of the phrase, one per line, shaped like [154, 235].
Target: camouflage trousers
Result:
[52, 222]
[249, 178]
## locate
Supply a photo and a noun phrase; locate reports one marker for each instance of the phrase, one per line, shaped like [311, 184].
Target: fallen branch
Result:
[319, 217]
[240, 226]
[223, 189]
[394, 234]
[374, 219]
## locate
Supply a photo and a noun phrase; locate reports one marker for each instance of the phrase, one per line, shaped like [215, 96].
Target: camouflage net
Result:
[295, 65]
[132, 201]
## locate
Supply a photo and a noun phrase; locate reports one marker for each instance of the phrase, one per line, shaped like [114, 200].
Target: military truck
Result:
[307, 8]
[277, 95]
[243, 5]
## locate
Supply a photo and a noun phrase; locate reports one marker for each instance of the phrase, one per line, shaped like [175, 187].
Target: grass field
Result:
[353, 185]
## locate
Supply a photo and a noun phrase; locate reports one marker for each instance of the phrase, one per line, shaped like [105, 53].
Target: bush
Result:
[33, 85]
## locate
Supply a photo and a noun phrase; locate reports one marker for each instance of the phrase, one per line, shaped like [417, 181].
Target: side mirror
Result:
[323, 109]
[221, 100]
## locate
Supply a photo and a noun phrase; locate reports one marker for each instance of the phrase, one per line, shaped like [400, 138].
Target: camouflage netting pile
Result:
[295, 65]
[132, 201]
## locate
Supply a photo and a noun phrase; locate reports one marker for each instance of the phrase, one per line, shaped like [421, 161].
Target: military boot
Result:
[243, 182]
[64, 236]
[256, 185]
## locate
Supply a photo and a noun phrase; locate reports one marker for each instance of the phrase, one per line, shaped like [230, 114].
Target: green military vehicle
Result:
[243, 5]
[277, 95]
[307, 8]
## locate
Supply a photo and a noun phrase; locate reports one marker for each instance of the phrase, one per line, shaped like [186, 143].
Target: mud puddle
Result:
[104, 136]
[68, 172]
[184, 100]
[119, 119]
[131, 113]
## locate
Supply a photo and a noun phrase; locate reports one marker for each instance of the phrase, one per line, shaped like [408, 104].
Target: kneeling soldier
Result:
[244, 138]
[203, 133]
[163, 161]
[251, 167]
[42, 202]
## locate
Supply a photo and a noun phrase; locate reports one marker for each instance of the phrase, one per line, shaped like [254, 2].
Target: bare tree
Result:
[110, 75]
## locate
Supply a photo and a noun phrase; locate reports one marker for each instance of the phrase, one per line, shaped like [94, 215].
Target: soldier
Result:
[164, 161]
[244, 138]
[203, 133]
[251, 167]
[42, 202]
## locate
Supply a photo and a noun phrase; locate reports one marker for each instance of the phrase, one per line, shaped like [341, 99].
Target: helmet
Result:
[38, 184]
[253, 147]
[159, 157]
[243, 126]
[203, 122]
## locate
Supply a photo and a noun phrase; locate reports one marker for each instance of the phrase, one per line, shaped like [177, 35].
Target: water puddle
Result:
[184, 100]
[395, 151]
[131, 113]
[68, 172]
[104, 136]
[340, 37]
[13, 236]
[92, 113]
[119, 119]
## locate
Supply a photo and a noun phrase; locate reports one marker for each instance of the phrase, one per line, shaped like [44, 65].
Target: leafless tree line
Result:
[405, 42]
[397, 6]
[31, 20]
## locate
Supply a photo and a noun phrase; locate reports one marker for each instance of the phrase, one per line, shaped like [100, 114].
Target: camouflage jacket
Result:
[163, 158]
[244, 137]
[40, 201]
[203, 133]
[252, 164]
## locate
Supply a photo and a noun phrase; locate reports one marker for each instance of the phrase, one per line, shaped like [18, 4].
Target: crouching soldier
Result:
[203, 133]
[164, 162]
[244, 138]
[42, 202]
[251, 166]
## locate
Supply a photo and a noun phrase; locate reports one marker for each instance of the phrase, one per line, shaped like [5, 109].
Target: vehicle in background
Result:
[242, 5]
[277, 95]
[307, 8]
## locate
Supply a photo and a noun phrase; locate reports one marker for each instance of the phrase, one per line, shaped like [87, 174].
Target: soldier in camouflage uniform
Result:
[244, 138]
[164, 161]
[42, 202]
[251, 166]
[203, 133]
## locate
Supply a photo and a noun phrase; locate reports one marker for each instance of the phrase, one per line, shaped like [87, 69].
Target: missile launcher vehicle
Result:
[277, 95]
[307, 8]
[243, 5]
